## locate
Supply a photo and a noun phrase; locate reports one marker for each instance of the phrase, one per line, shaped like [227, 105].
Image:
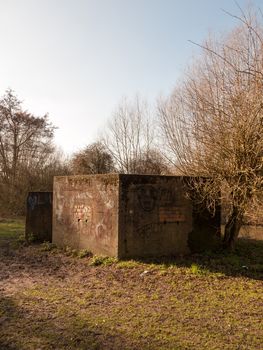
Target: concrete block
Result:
[85, 214]
[129, 216]
[39, 216]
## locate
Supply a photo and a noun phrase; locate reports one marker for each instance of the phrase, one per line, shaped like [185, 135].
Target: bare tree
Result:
[25, 143]
[41, 177]
[213, 122]
[130, 134]
[94, 159]
[151, 162]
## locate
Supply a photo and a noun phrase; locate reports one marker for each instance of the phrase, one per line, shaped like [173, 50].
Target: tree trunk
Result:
[232, 228]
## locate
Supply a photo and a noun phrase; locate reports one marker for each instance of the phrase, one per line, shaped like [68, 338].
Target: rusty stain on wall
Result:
[171, 214]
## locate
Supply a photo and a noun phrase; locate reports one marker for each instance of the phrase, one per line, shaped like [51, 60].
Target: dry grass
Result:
[53, 300]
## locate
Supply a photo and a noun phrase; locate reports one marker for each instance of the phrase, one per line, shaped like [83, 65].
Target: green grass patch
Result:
[12, 229]
[198, 270]
[102, 261]
[127, 264]
[84, 253]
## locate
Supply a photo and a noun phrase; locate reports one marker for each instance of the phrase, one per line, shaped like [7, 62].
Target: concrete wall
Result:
[85, 213]
[155, 217]
[129, 216]
[39, 216]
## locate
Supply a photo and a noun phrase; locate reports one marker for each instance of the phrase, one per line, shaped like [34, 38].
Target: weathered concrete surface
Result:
[129, 216]
[157, 219]
[39, 216]
[85, 213]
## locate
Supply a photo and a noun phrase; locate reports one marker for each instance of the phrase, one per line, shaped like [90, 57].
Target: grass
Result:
[102, 261]
[50, 299]
[11, 228]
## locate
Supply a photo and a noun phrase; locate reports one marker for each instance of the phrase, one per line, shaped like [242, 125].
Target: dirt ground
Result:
[52, 299]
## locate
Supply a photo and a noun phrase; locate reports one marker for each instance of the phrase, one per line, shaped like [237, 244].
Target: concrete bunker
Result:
[129, 216]
[39, 216]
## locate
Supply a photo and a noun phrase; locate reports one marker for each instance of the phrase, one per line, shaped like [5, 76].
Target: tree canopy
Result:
[25, 149]
[213, 122]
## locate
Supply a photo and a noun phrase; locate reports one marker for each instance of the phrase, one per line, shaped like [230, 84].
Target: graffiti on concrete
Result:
[88, 212]
[168, 196]
[103, 223]
[32, 201]
[82, 212]
[163, 206]
[106, 196]
[147, 230]
[147, 196]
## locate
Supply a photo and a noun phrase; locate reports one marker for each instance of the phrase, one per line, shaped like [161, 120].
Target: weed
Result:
[31, 237]
[70, 251]
[48, 246]
[84, 253]
[21, 239]
[162, 272]
[102, 260]
[198, 270]
[155, 296]
[127, 264]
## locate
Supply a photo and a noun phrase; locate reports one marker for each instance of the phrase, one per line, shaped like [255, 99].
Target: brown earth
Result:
[50, 299]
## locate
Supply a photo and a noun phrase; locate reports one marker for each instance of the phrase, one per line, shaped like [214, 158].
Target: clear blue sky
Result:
[76, 59]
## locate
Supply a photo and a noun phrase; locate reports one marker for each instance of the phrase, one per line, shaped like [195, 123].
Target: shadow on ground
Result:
[36, 326]
[246, 260]
[21, 331]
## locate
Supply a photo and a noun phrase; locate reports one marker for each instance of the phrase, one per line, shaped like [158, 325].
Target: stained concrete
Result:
[39, 216]
[85, 214]
[129, 216]
[155, 217]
